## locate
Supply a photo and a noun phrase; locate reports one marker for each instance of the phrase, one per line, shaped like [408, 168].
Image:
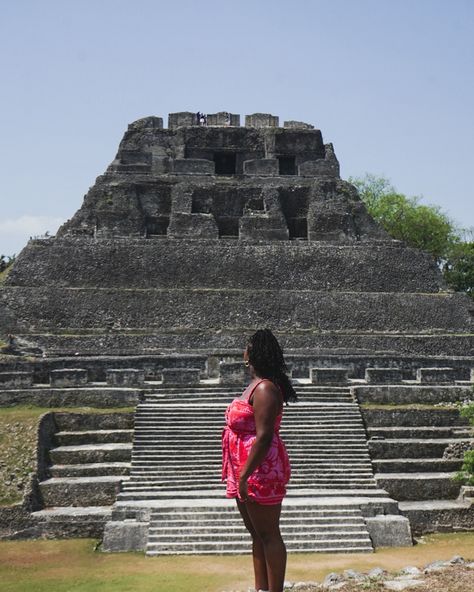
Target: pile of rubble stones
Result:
[378, 579]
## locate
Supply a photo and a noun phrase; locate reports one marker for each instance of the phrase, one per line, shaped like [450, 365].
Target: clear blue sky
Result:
[389, 82]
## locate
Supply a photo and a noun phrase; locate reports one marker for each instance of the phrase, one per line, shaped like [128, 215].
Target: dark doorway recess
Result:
[156, 225]
[298, 228]
[228, 226]
[286, 165]
[225, 163]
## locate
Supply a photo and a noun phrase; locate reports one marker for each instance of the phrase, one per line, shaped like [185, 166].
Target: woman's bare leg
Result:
[259, 563]
[266, 522]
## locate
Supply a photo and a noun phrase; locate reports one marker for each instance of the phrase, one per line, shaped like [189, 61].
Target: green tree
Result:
[421, 226]
[405, 218]
[458, 268]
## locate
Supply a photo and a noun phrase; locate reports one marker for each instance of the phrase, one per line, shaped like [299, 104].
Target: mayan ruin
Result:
[196, 235]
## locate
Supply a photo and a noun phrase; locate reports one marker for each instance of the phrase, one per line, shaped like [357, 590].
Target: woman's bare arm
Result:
[266, 407]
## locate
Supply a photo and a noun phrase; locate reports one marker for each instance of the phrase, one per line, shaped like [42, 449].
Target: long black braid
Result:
[266, 356]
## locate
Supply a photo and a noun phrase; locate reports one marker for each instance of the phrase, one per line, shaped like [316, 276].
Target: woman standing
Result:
[255, 462]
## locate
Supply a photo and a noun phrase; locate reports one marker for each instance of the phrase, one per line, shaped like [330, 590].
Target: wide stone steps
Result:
[146, 473]
[416, 465]
[203, 464]
[410, 447]
[79, 491]
[192, 482]
[418, 432]
[419, 486]
[219, 493]
[224, 400]
[88, 465]
[90, 469]
[328, 435]
[91, 453]
[176, 459]
[209, 530]
[69, 438]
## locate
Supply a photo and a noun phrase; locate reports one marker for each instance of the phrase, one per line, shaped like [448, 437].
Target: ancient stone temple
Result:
[195, 236]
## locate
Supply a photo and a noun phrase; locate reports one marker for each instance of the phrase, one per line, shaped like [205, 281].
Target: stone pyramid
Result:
[195, 235]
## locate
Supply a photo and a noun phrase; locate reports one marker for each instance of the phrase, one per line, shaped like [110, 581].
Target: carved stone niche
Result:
[261, 167]
[185, 225]
[261, 120]
[268, 224]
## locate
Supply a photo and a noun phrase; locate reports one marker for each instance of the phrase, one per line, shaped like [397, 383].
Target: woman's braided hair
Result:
[266, 356]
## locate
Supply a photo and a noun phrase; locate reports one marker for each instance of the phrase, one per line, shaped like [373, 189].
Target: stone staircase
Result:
[407, 444]
[175, 483]
[90, 460]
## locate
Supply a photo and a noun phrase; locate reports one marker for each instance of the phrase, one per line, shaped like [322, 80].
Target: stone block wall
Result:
[261, 120]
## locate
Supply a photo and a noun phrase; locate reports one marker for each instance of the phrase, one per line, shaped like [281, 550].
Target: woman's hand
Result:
[243, 490]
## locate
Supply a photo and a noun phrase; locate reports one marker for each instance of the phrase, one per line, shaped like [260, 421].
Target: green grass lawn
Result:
[74, 566]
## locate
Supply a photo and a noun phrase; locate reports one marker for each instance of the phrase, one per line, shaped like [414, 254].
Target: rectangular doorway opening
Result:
[225, 163]
[286, 165]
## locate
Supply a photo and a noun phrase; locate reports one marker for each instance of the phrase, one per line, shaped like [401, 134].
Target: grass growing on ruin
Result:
[18, 427]
[4, 274]
[74, 566]
[419, 406]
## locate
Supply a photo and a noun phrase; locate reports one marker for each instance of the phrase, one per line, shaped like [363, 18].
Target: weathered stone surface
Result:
[193, 166]
[223, 119]
[182, 118]
[399, 585]
[297, 125]
[327, 167]
[16, 379]
[418, 486]
[407, 394]
[261, 167]
[72, 491]
[68, 377]
[70, 397]
[231, 310]
[436, 375]
[383, 375]
[129, 535]
[412, 417]
[261, 120]
[195, 226]
[125, 376]
[182, 376]
[329, 375]
[305, 266]
[389, 531]
[458, 449]
[438, 516]
[233, 373]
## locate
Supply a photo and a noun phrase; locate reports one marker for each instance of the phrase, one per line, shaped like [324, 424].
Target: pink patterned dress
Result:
[267, 483]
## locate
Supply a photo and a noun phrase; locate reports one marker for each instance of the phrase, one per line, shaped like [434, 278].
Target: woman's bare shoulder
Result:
[267, 392]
